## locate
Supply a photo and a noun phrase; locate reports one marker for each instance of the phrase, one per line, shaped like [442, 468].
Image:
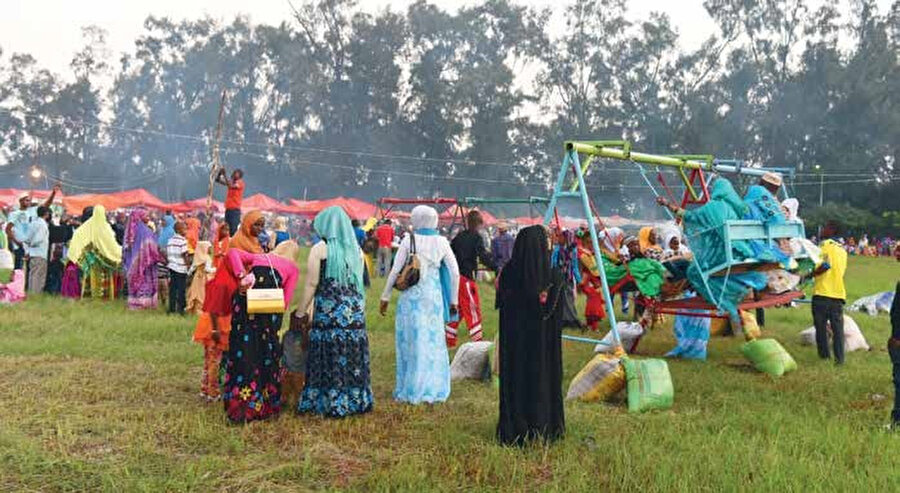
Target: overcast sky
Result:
[51, 29]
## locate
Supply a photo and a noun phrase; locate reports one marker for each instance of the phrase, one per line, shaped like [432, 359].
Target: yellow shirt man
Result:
[831, 282]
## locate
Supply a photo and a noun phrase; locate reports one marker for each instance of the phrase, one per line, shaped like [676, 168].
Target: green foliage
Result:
[477, 101]
[853, 220]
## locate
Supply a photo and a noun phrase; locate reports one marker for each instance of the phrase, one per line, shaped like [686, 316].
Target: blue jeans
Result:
[233, 218]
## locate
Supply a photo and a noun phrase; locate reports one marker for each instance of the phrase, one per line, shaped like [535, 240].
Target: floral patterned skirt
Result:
[252, 382]
[337, 365]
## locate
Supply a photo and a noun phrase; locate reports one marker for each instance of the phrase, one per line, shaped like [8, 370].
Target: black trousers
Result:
[829, 311]
[177, 292]
[895, 360]
[233, 219]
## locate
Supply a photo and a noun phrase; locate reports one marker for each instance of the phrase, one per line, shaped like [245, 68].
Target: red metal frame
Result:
[682, 306]
[695, 176]
[392, 202]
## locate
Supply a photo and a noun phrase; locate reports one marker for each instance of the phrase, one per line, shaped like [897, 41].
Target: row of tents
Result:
[139, 197]
[355, 208]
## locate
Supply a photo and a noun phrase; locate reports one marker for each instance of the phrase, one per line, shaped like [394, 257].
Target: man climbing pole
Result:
[233, 197]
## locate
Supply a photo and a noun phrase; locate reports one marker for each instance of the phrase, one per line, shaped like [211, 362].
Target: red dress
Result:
[220, 290]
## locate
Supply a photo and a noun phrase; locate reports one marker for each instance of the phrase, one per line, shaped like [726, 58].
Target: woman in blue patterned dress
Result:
[337, 364]
[423, 365]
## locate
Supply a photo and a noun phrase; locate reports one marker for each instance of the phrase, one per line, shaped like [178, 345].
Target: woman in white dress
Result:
[423, 364]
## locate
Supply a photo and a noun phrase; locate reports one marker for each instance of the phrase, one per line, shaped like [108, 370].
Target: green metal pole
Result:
[589, 214]
[639, 157]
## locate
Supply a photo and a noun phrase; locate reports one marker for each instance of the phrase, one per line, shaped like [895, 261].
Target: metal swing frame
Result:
[691, 170]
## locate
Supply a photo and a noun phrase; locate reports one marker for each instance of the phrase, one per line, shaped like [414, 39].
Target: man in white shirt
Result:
[20, 220]
[178, 261]
[37, 246]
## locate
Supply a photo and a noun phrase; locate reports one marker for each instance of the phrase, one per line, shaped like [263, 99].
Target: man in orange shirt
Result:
[233, 197]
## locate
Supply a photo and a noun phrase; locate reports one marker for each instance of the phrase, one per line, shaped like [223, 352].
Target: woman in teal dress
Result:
[337, 367]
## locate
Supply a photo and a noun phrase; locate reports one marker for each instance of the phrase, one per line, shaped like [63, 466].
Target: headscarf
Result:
[167, 231]
[424, 220]
[244, 239]
[201, 254]
[611, 239]
[344, 263]
[722, 190]
[528, 270]
[667, 239]
[280, 224]
[192, 232]
[565, 255]
[792, 206]
[423, 217]
[135, 246]
[97, 233]
[644, 239]
[220, 241]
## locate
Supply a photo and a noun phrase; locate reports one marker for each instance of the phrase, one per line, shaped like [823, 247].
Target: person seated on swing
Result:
[676, 256]
[610, 241]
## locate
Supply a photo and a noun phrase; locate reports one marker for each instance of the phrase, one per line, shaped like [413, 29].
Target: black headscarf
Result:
[528, 271]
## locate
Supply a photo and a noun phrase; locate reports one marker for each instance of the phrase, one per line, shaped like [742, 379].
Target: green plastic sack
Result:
[768, 356]
[649, 385]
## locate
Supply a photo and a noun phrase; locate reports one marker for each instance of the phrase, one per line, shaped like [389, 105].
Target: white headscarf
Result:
[793, 206]
[424, 217]
[611, 238]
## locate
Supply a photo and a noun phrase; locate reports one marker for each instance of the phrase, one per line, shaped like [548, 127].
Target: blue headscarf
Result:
[344, 263]
[167, 231]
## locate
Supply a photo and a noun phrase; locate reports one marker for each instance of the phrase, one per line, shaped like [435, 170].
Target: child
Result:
[201, 271]
[212, 333]
[178, 260]
[591, 284]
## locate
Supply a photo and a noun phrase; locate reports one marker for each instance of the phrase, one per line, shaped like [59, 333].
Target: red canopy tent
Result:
[355, 208]
[74, 204]
[198, 205]
[454, 212]
[138, 198]
[308, 208]
[266, 204]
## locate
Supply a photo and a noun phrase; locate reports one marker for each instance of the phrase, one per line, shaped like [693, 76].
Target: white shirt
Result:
[175, 250]
[432, 251]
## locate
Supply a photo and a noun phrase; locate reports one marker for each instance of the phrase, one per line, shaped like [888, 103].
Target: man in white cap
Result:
[19, 221]
[771, 182]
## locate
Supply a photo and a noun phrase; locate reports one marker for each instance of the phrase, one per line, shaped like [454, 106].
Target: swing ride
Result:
[533, 203]
[692, 169]
[450, 208]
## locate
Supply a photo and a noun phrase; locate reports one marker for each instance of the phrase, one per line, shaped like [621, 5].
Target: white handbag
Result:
[268, 300]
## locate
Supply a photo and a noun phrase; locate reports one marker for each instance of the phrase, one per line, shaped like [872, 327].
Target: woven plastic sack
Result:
[749, 325]
[649, 385]
[600, 379]
[630, 334]
[854, 340]
[872, 304]
[768, 356]
[472, 361]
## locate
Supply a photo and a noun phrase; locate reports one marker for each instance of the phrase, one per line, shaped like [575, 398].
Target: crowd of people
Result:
[239, 275]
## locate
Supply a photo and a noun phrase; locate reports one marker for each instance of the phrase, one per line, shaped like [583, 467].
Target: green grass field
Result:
[95, 398]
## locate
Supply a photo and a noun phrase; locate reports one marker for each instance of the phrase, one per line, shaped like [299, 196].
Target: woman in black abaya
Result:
[530, 292]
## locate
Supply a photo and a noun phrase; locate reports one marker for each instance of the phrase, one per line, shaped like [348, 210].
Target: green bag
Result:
[649, 384]
[768, 356]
